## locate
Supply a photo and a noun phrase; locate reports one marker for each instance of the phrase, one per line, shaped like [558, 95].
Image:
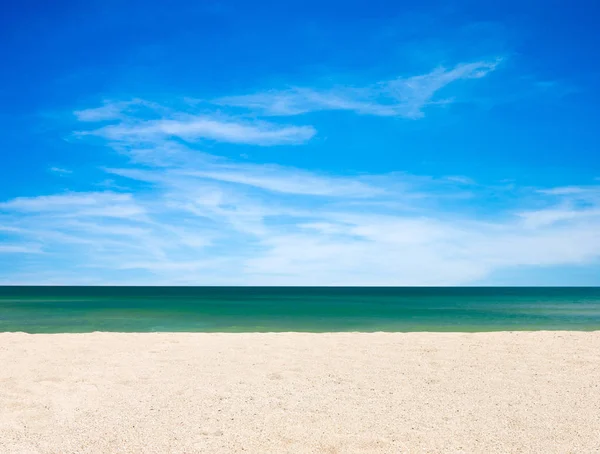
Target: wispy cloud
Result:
[60, 170]
[141, 122]
[119, 110]
[109, 111]
[404, 97]
[574, 193]
[103, 204]
[289, 181]
[565, 204]
[193, 128]
[20, 249]
[561, 214]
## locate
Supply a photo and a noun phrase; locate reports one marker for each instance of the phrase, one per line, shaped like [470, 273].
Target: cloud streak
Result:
[140, 121]
[100, 204]
[403, 97]
[194, 128]
[288, 181]
[20, 249]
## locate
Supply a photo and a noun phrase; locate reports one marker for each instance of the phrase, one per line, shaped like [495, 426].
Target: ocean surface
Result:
[253, 309]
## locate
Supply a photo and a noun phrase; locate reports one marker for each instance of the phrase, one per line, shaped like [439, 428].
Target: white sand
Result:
[300, 393]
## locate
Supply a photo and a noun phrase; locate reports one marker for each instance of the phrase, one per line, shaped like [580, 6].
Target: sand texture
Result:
[300, 393]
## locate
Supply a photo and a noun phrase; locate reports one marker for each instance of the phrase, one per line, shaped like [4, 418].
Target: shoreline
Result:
[516, 331]
[526, 391]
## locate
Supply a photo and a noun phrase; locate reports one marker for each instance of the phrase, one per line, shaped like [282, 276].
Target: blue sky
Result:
[300, 143]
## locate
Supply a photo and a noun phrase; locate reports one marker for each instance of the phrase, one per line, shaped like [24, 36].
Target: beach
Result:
[300, 392]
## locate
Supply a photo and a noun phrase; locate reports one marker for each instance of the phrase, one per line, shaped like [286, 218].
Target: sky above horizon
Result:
[300, 143]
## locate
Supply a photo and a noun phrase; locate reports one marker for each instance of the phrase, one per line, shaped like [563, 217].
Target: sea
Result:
[302, 309]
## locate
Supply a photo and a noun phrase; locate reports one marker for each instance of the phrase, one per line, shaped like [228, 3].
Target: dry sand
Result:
[300, 393]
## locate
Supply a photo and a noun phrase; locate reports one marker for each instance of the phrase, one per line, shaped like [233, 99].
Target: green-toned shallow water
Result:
[246, 309]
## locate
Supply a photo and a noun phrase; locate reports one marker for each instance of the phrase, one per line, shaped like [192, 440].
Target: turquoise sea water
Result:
[244, 309]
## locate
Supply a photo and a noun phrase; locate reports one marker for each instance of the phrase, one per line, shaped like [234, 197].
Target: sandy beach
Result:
[300, 393]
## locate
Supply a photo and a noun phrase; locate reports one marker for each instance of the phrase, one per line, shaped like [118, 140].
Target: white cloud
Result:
[194, 128]
[539, 218]
[103, 204]
[119, 110]
[290, 181]
[139, 122]
[404, 97]
[460, 179]
[402, 251]
[567, 203]
[20, 249]
[571, 195]
[106, 112]
[101, 231]
[564, 190]
[60, 170]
